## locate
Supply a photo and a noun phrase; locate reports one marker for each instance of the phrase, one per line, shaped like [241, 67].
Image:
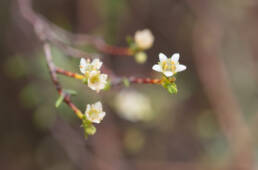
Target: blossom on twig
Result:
[94, 112]
[91, 70]
[169, 66]
[97, 81]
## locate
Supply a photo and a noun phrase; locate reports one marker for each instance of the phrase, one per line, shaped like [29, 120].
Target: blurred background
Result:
[210, 124]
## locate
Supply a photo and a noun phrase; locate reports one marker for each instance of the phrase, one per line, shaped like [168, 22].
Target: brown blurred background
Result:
[210, 124]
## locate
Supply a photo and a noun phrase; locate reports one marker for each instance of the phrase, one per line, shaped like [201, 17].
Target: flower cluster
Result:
[131, 105]
[95, 80]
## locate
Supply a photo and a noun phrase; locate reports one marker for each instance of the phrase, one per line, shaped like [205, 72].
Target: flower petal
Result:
[180, 67]
[83, 65]
[162, 57]
[92, 86]
[175, 57]
[88, 108]
[97, 63]
[95, 120]
[103, 77]
[102, 85]
[94, 72]
[83, 70]
[157, 68]
[102, 115]
[168, 73]
[98, 106]
[83, 62]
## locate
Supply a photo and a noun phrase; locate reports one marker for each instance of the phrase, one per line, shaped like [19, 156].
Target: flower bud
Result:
[144, 39]
[140, 57]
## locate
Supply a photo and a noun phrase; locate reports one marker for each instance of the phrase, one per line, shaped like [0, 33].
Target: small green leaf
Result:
[85, 80]
[133, 47]
[59, 100]
[129, 40]
[126, 82]
[70, 92]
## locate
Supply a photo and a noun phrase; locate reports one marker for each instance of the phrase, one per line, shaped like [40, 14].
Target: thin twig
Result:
[52, 70]
[116, 81]
[219, 92]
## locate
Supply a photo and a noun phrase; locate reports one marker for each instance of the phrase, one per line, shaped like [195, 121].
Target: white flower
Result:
[94, 112]
[133, 106]
[169, 66]
[144, 39]
[97, 81]
[86, 66]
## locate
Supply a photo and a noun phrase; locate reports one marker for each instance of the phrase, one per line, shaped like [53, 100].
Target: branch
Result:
[52, 70]
[64, 39]
[114, 81]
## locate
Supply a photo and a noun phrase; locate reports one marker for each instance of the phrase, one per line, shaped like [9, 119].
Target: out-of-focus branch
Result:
[173, 165]
[65, 39]
[82, 154]
[213, 76]
[99, 158]
[50, 33]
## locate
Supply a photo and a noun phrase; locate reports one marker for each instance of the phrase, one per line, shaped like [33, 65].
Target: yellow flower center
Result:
[93, 113]
[95, 79]
[168, 65]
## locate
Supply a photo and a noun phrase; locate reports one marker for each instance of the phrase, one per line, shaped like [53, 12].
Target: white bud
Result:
[144, 39]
